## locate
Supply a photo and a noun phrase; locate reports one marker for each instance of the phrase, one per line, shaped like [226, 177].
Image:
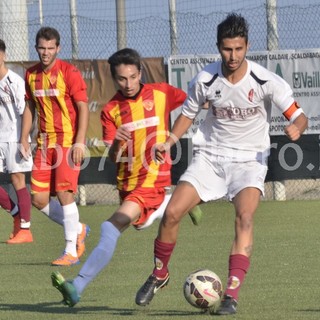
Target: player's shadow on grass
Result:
[58, 308]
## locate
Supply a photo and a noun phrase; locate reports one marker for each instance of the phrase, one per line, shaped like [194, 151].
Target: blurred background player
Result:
[133, 121]
[230, 150]
[12, 104]
[57, 91]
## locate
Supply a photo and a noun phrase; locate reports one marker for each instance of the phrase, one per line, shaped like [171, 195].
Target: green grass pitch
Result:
[282, 282]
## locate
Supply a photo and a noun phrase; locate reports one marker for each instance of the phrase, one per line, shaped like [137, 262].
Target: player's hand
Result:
[25, 150]
[292, 132]
[161, 152]
[122, 134]
[78, 152]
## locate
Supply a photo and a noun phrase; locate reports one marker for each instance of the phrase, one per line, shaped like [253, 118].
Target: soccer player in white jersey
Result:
[230, 152]
[12, 105]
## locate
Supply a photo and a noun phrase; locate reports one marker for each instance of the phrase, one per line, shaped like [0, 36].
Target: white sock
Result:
[54, 211]
[158, 214]
[70, 223]
[99, 257]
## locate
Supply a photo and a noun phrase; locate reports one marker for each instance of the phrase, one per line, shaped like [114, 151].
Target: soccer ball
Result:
[203, 289]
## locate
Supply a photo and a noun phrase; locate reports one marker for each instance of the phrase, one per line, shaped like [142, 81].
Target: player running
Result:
[134, 121]
[230, 152]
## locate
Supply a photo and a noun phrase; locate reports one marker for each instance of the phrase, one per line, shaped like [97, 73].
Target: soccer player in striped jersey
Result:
[56, 91]
[133, 121]
[230, 155]
[12, 104]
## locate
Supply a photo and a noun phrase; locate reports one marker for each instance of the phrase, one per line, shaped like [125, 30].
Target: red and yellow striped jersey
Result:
[55, 93]
[147, 117]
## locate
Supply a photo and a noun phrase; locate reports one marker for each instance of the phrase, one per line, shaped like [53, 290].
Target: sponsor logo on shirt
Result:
[5, 99]
[143, 123]
[233, 112]
[46, 93]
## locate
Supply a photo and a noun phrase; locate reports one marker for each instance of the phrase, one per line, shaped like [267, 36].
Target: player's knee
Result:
[172, 215]
[39, 203]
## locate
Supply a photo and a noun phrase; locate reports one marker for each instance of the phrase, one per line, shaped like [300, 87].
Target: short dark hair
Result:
[48, 33]
[233, 26]
[2, 46]
[124, 56]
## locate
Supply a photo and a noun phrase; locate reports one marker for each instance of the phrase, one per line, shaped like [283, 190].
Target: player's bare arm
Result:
[295, 129]
[180, 126]
[78, 149]
[27, 120]
[122, 135]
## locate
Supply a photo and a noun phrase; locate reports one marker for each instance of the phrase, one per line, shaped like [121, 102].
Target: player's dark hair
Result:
[233, 26]
[124, 56]
[48, 33]
[2, 46]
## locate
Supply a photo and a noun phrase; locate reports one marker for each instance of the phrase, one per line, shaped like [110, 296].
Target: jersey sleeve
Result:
[195, 100]
[108, 127]
[20, 94]
[282, 96]
[76, 84]
[175, 97]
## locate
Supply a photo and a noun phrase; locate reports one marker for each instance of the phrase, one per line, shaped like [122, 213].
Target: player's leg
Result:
[5, 201]
[183, 199]
[199, 183]
[7, 204]
[65, 184]
[246, 200]
[101, 255]
[70, 225]
[24, 203]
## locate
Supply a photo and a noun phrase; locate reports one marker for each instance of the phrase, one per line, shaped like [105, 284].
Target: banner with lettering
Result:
[300, 68]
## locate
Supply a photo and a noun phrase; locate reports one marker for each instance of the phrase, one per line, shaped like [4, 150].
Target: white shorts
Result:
[10, 159]
[223, 176]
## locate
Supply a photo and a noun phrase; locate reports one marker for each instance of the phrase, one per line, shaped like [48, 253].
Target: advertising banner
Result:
[300, 68]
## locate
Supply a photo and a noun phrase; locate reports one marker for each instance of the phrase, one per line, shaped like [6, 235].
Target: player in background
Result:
[133, 121]
[56, 91]
[12, 104]
[230, 155]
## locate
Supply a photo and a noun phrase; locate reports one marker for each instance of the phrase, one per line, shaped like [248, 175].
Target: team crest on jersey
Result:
[53, 79]
[6, 89]
[250, 95]
[148, 104]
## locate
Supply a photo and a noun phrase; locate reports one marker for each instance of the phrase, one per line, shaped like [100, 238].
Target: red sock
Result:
[5, 202]
[24, 204]
[162, 254]
[238, 267]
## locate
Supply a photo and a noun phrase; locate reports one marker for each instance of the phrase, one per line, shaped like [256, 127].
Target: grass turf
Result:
[282, 282]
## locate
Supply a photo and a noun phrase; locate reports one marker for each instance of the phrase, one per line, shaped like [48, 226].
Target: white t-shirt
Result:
[237, 121]
[12, 104]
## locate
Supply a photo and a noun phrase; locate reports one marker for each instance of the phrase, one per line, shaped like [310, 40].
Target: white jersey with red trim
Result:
[237, 121]
[12, 104]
